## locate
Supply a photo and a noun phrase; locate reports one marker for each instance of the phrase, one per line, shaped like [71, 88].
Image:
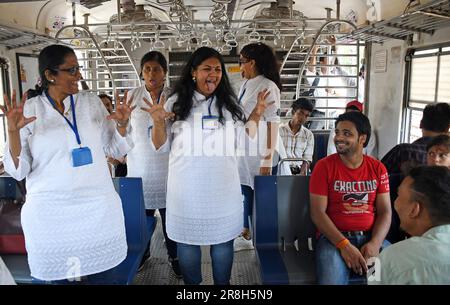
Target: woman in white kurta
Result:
[259, 67]
[204, 203]
[72, 219]
[143, 161]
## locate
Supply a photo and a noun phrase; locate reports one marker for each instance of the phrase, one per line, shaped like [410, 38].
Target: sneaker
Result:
[176, 267]
[241, 244]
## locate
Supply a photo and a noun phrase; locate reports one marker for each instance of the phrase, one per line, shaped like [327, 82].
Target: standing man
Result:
[297, 139]
[423, 204]
[350, 203]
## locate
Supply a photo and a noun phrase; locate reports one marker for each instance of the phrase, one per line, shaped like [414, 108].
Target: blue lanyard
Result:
[159, 96]
[72, 126]
[210, 103]
[243, 92]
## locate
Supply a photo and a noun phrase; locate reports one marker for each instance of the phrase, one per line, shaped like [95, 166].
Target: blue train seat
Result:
[283, 231]
[139, 229]
[284, 234]
[320, 145]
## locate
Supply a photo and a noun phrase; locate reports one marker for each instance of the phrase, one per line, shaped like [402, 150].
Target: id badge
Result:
[81, 156]
[210, 122]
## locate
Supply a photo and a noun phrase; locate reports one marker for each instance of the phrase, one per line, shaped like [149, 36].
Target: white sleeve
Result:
[272, 113]
[244, 144]
[331, 148]
[25, 158]
[114, 145]
[285, 169]
[166, 147]
[309, 151]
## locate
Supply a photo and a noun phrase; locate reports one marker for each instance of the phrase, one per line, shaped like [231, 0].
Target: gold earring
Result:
[194, 79]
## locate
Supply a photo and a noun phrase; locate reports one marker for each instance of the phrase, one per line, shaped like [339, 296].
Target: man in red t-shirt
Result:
[350, 203]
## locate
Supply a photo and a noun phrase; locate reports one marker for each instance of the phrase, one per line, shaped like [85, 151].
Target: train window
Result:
[427, 75]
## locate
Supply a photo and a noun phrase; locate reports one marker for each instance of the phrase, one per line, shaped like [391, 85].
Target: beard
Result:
[345, 149]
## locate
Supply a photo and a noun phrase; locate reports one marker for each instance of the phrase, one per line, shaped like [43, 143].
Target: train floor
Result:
[157, 270]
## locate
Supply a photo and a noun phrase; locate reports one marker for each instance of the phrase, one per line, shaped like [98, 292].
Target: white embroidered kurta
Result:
[72, 219]
[142, 160]
[204, 201]
[249, 166]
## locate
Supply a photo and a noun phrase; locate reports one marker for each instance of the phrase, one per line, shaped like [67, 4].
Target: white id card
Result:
[210, 122]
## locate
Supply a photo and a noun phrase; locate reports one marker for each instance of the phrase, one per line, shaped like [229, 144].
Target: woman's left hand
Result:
[261, 104]
[123, 109]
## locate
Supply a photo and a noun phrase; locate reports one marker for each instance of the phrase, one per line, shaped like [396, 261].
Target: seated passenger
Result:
[401, 158]
[438, 151]
[371, 148]
[297, 139]
[350, 203]
[423, 204]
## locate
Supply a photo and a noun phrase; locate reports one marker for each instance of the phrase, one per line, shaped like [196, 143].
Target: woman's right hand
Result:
[14, 113]
[157, 111]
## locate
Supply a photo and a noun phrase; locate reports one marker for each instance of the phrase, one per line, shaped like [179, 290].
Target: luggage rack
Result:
[424, 19]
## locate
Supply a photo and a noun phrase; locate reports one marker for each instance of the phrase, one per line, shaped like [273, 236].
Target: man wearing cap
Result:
[371, 149]
[350, 203]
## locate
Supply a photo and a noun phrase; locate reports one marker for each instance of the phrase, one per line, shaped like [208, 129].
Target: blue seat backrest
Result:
[265, 231]
[9, 188]
[320, 145]
[293, 212]
[131, 194]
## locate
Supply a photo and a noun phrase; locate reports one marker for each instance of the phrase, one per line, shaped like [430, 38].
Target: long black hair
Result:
[50, 58]
[266, 61]
[154, 56]
[185, 87]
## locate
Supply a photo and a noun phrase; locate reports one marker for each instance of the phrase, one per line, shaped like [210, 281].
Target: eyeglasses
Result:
[72, 71]
[243, 61]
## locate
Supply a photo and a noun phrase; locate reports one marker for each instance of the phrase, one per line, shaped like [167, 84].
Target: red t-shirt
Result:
[351, 192]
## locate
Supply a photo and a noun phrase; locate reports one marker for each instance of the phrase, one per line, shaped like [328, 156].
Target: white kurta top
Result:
[142, 160]
[72, 219]
[249, 166]
[204, 201]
